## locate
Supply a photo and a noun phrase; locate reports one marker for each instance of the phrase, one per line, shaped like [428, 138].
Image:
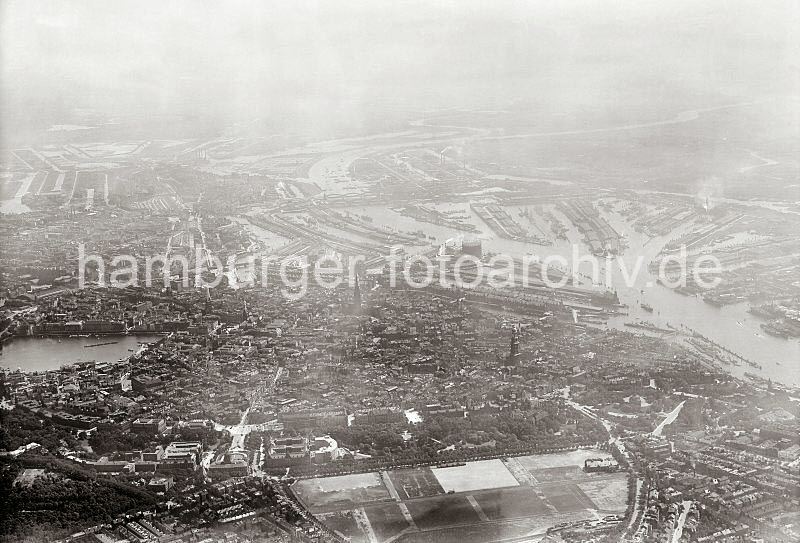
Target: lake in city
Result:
[41, 354]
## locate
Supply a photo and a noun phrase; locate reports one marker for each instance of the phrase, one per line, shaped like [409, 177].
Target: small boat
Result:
[647, 307]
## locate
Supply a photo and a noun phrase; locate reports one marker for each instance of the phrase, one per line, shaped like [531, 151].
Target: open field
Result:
[608, 493]
[448, 510]
[415, 483]
[479, 502]
[567, 498]
[511, 503]
[387, 520]
[489, 531]
[479, 475]
[347, 482]
[561, 473]
[344, 523]
[342, 492]
[559, 460]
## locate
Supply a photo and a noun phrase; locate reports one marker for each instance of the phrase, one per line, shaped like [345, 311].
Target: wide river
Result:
[41, 354]
[731, 326]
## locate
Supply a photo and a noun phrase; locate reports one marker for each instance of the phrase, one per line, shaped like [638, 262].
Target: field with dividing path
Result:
[481, 501]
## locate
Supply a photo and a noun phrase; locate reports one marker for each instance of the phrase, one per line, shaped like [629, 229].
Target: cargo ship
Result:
[772, 330]
[100, 344]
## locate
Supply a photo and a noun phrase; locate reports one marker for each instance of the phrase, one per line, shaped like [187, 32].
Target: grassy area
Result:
[482, 501]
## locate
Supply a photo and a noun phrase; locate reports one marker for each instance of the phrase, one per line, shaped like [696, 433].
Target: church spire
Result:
[513, 356]
[356, 295]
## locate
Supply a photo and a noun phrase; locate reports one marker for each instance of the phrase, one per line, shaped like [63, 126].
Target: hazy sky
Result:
[237, 61]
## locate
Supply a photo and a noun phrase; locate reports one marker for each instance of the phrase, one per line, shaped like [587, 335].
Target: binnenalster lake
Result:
[49, 353]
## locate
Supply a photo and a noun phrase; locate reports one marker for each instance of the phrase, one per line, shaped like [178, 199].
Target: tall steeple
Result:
[356, 295]
[513, 356]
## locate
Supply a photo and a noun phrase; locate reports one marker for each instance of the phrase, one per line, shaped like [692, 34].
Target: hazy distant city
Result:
[413, 272]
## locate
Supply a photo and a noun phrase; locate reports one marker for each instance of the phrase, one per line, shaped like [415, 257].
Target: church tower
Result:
[513, 357]
[356, 296]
